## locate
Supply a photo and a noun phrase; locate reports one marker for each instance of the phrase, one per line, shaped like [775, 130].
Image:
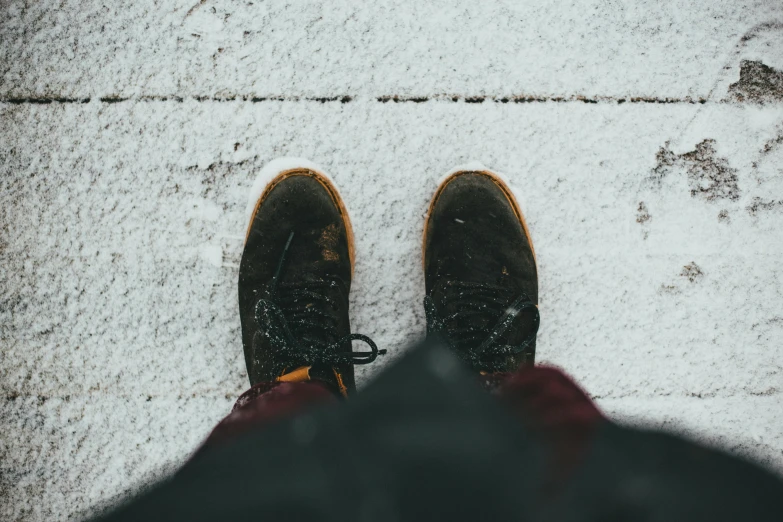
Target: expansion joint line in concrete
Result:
[46, 100]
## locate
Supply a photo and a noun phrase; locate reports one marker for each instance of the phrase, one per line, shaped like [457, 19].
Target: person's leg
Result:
[482, 301]
[265, 403]
[555, 409]
[294, 281]
[545, 397]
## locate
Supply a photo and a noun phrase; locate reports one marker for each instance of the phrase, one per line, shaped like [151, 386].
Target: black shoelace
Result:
[482, 314]
[300, 308]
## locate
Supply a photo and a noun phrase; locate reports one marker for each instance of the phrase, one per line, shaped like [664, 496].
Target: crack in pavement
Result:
[47, 100]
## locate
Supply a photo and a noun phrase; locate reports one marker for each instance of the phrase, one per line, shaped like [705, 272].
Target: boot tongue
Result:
[451, 297]
[309, 317]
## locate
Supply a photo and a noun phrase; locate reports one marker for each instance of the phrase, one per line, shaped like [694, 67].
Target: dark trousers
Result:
[423, 442]
[544, 398]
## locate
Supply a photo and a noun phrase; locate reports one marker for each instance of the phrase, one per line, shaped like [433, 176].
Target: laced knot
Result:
[295, 319]
[479, 316]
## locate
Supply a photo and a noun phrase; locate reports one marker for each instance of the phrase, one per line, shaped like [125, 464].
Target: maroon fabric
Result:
[550, 404]
[267, 402]
[556, 410]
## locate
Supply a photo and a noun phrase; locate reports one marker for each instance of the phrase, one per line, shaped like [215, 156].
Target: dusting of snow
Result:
[208, 210]
[270, 171]
[212, 254]
[109, 301]
[476, 166]
[122, 224]
[283, 48]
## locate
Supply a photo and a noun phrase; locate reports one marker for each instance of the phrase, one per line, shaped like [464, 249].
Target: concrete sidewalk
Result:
[645, 145]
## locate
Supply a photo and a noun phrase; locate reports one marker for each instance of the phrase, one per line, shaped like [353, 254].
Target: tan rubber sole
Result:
[327, 184]
[500, 184]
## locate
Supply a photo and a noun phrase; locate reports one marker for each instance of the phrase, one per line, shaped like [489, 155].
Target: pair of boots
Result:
[295, 276]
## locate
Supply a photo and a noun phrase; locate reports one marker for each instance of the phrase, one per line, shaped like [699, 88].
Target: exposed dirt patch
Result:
[774, 143]
[757, 83]
[692, 272]
[642, 214]
[761, 205]
[669, 289]
[665, 159]
[710, 177]
[760, 29]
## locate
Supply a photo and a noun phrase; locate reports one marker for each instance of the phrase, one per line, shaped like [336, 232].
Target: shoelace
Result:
[299, 307]
[479, 346]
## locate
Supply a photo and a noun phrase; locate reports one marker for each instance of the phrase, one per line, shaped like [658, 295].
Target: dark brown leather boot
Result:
[294, 281]
[480, 273]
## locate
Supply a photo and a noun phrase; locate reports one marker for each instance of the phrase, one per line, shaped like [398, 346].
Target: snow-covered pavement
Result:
[130, 136]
